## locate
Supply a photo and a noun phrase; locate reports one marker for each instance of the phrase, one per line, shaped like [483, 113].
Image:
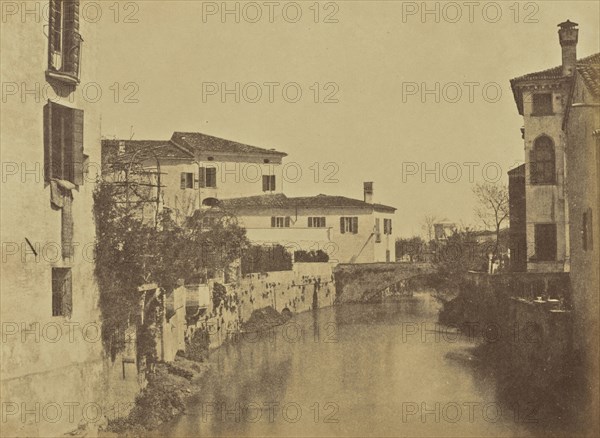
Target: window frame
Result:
[542, 239]
[280, 221]
[64, 41]
[542, 169]
[63, 143]
[317, 222]
[348, 224]
[547, 109]
[268, 183]
[186, 180]
[62, 300]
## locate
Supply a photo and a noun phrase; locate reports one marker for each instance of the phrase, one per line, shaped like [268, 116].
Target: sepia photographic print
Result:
[347, 218]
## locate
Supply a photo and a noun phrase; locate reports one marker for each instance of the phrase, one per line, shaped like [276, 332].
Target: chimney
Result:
[368, 192]
[567, 35]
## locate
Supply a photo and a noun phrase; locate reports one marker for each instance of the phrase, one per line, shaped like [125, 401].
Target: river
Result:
[351, 370]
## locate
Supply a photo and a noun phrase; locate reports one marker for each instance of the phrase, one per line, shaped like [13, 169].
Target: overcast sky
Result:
[371, 60]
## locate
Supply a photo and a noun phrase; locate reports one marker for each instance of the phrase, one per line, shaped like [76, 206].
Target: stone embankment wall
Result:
[363, 282]
[306, 286]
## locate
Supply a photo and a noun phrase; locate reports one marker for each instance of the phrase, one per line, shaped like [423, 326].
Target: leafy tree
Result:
[412, 247]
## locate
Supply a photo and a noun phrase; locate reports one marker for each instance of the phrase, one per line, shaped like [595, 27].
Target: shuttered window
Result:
[187, 180]
[316, 222]
[387, 226]
[349, 225]
[63, 143]
[268, 182]
[377, 230]
[208, 177]
[280, 221]
[62, 292]
[64, 40]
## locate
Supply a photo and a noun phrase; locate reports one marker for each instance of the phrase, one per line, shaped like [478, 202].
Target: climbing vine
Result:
[131, 252]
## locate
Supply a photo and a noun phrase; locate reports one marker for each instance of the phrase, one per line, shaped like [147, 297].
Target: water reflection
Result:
[352, 370]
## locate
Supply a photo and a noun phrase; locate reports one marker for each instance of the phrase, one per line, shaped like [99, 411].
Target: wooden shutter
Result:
[265, 180]
[77, 145]
[342, 230]
[55, 31]
[183, 180]
[72, 38]
[202, 176]
[532, 167]
[310, 222]
[273, 222]
[272, 180]
[287, 222]
[389, 226]
[48, 141]
[354, 225]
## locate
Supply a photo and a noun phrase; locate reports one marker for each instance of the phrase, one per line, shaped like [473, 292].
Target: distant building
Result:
[348, 230]
[198, 169]
[443, 230]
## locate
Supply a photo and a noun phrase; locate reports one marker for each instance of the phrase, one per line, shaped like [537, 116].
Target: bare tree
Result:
[427, 226]
[492, 207]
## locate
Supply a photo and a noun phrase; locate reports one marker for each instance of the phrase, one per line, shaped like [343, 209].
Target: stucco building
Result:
[198, 169]
[52, 358]
[348, 230]
[555, 194]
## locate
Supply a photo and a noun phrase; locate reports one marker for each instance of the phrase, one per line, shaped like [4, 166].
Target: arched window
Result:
[543, 165]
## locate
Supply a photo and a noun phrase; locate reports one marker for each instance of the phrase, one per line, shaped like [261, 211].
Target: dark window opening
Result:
[542, 104]
[62, 292]
[545, 242]
[542, 161]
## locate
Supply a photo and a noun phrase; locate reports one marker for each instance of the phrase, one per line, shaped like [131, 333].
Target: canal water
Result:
[351, 370]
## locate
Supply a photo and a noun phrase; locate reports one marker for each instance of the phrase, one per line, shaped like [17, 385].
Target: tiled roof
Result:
[198, 142]
[588, 68]
[282, 201]
[144, 149]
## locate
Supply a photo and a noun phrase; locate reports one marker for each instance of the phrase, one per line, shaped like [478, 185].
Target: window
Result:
[349, 225]
[377, 230]
[387, 226]
[63, 143]
[268, 182]
[316, 222]
[586, 231]
[64, 40]
[62, 292]
[545, 242]
[543, 167]
[187, 180]
[208, 177]
[542, 104]
[280, 221]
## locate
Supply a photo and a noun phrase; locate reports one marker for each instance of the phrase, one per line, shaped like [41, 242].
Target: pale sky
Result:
[366, 59]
